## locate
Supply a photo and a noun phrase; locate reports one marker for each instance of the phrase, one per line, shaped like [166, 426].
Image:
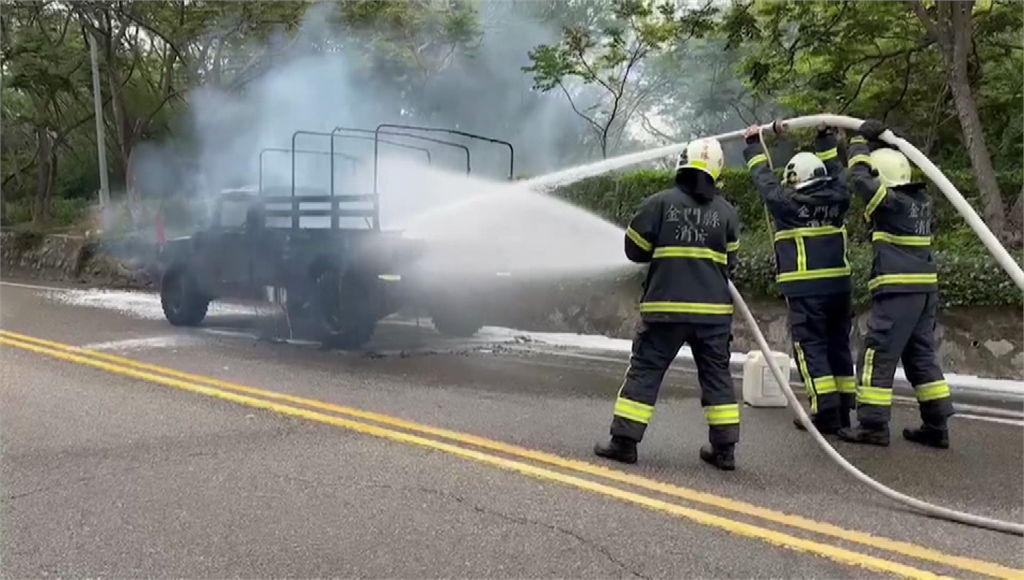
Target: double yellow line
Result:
[555, 468]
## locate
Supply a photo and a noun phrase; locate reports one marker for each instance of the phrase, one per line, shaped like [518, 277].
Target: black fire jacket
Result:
[900, 223]
[810, 235]
[688, 234]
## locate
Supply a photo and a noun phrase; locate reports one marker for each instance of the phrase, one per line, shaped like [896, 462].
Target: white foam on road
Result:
[135, 344]
[143, 305]
[621, 345]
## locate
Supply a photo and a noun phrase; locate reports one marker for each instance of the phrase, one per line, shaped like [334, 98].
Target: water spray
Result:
[947, 188]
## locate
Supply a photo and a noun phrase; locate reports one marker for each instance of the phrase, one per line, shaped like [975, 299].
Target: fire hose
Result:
[948, 189]
[997, 250]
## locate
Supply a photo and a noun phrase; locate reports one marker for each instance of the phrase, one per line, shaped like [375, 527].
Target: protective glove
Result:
[752, 134]
[872, 129]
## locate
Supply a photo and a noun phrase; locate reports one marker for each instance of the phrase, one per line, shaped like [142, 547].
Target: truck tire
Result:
[182, 302]
[451, 320]
[343, 310]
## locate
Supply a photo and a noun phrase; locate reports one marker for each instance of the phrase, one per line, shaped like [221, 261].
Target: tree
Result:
[405, 45]
[697, 92]
[950, 24]
[607, 52]
[41, 67]
[876, 59]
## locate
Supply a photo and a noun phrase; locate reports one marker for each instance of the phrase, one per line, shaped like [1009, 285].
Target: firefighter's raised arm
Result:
[642, 232]
[863, 177]
[733, 227]
[765, 181]
[826, 147]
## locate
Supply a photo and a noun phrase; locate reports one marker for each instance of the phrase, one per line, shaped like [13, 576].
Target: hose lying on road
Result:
[998, 251]
[925, 507]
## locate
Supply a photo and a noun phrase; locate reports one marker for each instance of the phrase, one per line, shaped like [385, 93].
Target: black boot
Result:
[928, 435]
[618, 448]
[866, 434]
[826, 423]
[844, 418]
[721, 457]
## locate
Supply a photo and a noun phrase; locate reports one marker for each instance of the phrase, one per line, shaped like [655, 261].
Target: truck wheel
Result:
[451, 321]
[182, 302]
[344, 310]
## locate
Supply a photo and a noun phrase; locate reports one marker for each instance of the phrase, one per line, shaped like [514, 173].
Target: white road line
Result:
[989, 419]
[32, 286]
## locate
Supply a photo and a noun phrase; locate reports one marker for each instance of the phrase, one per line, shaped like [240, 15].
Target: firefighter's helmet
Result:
[703, 154]
[803, 169]
[892, 166]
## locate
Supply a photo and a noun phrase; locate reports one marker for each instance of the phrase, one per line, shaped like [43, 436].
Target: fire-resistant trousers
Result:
[902, 327]
[654, 348]
[820, 329]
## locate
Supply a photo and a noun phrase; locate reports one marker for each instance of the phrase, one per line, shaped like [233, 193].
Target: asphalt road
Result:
[335, 467]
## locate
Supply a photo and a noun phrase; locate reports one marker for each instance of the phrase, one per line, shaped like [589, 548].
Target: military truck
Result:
[337, 277]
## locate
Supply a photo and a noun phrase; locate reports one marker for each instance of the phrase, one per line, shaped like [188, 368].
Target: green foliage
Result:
[66, 212]
[409, 42]
[876, 59]
[673, 70]
[967, 273]
[607, 51]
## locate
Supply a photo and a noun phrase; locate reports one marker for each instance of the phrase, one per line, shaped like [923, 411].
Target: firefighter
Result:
[808, 210]
[688, 235]
[904, 295]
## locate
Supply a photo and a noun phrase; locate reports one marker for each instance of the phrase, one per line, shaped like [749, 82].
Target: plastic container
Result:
[760, 389]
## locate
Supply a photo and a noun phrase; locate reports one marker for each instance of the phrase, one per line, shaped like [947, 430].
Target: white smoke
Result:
[321, 84]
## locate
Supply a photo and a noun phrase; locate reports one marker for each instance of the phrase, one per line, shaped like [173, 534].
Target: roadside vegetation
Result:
[567, 81]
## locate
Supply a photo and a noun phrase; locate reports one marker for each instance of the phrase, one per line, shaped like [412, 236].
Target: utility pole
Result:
[101, 142]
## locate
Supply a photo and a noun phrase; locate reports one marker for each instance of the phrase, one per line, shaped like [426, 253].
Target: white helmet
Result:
[802, 169]
[703, 154]
[892, 166]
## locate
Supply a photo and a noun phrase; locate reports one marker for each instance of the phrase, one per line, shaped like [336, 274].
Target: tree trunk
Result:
[41, 206]
[1015, 222]
[957, 52]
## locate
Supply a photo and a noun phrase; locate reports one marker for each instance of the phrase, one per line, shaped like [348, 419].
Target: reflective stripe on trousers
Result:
[722, 414]
[932, 391]
[847, 385]
[633, 410]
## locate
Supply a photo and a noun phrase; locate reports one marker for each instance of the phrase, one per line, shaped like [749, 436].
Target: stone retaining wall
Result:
[982, 341]
[987, 342]
[74, 259]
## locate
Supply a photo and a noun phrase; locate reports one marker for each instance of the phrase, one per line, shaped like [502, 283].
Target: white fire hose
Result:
[977, 224]
[922, 506]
